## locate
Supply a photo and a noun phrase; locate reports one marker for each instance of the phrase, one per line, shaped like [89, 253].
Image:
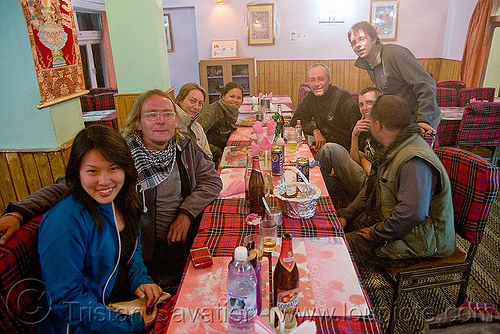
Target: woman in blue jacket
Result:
[89, 246]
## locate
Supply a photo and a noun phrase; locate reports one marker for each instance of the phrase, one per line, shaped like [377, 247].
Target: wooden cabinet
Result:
[215, 73]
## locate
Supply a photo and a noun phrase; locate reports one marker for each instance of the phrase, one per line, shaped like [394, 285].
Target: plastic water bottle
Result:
[241, 293]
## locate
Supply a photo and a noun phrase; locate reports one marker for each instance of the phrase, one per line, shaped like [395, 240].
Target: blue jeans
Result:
[349, 172]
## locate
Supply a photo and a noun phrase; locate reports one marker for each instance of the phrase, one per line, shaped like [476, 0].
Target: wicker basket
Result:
[297, 207]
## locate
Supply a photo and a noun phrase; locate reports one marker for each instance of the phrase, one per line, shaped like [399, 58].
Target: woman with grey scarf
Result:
[219, 118]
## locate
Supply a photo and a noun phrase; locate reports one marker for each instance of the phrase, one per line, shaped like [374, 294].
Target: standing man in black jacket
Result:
[396, 71]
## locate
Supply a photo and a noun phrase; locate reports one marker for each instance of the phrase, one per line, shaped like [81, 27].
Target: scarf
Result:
[230, 113]
[380, 158]
[153, 166]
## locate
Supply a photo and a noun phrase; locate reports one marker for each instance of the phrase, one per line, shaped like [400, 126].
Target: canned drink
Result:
[277, 160]
[303, 166]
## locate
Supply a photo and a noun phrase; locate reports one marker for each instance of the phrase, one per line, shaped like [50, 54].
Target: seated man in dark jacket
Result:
[328, 113]
[404, 212]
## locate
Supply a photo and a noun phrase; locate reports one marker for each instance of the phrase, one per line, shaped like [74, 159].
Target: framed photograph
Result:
[261, 24]
[384, 17]
[168, 32]
[224, 48]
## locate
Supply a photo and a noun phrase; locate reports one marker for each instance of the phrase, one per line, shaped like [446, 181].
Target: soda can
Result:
[303, 166]
[277, 160]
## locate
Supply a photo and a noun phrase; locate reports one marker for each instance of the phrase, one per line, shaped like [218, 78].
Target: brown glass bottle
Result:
[280, 123]
[286, 282]
[256, 188]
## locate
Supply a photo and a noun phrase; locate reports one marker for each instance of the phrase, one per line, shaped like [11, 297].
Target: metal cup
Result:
[265, 104]
[276, 215]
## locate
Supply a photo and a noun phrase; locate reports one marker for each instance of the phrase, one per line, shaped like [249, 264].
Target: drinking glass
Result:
[269, 231]
[291, 143]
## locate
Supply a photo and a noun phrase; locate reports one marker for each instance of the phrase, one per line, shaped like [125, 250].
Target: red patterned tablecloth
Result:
[284, 99]
[223, 227]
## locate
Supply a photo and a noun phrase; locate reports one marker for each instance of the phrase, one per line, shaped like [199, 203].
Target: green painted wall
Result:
[22, 125]
[139, 47]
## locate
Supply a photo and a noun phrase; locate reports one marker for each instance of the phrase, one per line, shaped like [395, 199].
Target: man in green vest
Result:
[404, 213]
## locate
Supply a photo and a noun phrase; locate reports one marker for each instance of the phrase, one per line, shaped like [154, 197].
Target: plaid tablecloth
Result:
[448, 128]
[103, 117]
[223, 228]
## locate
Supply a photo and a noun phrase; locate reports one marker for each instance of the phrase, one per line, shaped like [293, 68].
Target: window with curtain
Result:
[89, 34]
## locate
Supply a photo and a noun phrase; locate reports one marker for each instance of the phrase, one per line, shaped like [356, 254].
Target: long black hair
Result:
[113, 148]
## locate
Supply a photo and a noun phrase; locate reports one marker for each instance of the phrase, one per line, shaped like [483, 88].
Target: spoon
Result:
[266, 205]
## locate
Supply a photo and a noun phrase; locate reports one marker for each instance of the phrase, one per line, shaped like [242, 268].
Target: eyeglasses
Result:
[154, 115]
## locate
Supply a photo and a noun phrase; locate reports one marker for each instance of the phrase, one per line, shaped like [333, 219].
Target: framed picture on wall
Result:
[260, 24]
[224, 48]
[168, 31]
[384, 17]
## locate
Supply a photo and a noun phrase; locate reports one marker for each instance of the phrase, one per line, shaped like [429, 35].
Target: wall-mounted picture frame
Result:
[260, 24]
[224, 48]
[384, 17]
[168, 31]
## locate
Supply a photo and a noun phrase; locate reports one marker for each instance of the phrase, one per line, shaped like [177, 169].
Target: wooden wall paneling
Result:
[431, 66]
[66, 152]
[269, 73]
[17, 174]
[56, 164]
[30, 173]
[450, 69]
[296, 80]
[44, 171]
[285, 76]
[337, 72]
[123, 105]
[6, 183]
[282, 86]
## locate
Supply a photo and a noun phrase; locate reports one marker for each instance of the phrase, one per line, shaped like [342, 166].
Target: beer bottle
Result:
[286, 282]
[256, 189]
[280, 123]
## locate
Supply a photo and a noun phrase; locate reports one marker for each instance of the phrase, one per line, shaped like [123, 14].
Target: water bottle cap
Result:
[298, 122]
[240, 253]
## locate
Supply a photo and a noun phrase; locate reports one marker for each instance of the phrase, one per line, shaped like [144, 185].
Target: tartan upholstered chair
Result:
[474, 187]
[480, 127]
[303, 90]
[477, 94]
[447, 97]
[456, 84]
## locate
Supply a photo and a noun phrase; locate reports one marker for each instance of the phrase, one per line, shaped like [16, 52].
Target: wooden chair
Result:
[474, 184]
[171, 92]
[480, 127]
